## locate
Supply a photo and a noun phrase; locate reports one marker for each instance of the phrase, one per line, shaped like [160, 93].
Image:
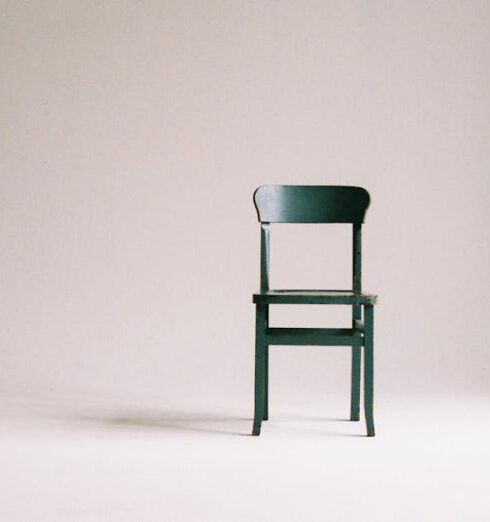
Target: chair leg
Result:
[266, 383]
[355, 393]
[260, 350]
[368, 368]
[266, 370]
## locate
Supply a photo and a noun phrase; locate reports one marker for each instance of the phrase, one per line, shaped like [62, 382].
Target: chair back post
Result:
[356, 267]
[264, 256]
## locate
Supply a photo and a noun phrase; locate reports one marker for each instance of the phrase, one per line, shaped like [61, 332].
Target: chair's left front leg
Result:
[260, 350]
[368, 367]
[266, 383]
[266, 370]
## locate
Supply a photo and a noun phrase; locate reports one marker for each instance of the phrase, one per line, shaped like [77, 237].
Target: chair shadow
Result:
[173, 421]
[204, 423]
[104, 415]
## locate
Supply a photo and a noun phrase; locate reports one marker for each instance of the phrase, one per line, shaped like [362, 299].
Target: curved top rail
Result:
[311, 204]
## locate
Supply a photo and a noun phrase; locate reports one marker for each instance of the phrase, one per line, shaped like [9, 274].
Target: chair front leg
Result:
[266, 383]
[355, 392]
[260, 367]
[266, 370]
[368, 367]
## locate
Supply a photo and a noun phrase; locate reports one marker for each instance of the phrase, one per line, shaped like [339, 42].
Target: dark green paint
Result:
[310, 204]
[355, 393]
[264, 256]
[260, 327]
[314, 204]
[368, 368]
[309, 336]
[346, 297]
[266, 370]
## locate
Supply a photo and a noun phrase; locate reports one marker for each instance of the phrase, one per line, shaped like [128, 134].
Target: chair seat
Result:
[346, 297]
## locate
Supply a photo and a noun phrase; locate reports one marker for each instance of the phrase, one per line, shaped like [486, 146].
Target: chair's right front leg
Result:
[368, 367]
[260, 361]
[266, 383]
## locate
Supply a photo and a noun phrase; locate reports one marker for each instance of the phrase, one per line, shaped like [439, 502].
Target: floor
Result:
[93, 461]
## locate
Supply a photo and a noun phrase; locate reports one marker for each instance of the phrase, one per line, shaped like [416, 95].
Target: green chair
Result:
[314, 204]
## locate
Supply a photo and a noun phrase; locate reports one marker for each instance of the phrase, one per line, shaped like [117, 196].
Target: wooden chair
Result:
[314, 204]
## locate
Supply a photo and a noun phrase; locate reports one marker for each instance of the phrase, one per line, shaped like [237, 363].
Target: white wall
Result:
[133, 136]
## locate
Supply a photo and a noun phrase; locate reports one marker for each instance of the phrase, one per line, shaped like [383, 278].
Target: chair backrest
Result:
[311, 204]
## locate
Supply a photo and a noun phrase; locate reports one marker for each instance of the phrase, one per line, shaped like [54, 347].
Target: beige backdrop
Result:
[133, 136]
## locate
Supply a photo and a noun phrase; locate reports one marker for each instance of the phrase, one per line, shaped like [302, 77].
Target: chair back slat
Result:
[310, 204]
